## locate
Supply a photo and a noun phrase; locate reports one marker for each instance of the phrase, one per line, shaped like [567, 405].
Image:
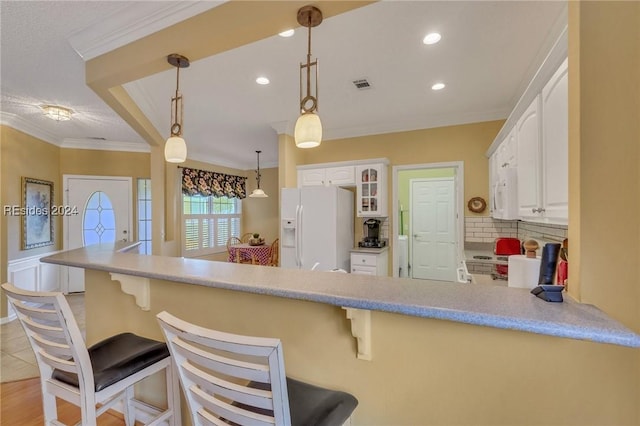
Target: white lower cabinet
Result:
[370, 263]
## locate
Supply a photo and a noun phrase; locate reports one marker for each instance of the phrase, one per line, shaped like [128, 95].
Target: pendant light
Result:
[258, 193]
[308, 130]
[175, 150]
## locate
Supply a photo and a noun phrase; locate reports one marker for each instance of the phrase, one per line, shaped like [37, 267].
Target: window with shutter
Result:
[208, 223]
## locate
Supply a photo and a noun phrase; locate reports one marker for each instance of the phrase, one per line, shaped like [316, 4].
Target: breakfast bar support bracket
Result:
[361, 330]
[138, 287]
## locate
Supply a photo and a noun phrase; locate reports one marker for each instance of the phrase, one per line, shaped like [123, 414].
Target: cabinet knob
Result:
[363, 260]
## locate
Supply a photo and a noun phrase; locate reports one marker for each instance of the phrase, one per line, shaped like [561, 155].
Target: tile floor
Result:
[17, 359]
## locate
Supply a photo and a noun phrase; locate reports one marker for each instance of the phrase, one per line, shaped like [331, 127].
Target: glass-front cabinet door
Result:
[371, 190]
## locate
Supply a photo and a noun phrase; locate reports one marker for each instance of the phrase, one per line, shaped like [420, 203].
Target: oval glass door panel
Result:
[99, 221]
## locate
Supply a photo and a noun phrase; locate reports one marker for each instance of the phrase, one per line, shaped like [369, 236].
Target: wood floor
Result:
[21, 404]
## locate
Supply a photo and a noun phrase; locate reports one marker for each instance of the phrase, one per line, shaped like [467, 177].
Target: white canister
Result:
[523, 271]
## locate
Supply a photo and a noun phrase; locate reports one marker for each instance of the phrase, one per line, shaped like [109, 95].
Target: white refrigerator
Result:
[316, 227]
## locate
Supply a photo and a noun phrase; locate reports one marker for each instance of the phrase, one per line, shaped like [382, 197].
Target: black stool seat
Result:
[311, 405]
[118, 357]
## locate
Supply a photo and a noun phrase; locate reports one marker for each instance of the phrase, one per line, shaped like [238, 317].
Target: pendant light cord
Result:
[309, 59]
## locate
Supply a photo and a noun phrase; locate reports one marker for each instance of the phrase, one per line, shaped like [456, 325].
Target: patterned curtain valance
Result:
[204, 183]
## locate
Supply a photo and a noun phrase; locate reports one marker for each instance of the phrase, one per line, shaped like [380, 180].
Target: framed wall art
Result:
[37, 226]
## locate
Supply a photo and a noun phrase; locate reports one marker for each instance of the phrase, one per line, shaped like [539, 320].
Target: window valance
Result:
[206, 183]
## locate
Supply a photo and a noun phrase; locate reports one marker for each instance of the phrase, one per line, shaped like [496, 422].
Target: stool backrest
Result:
[53, 332]
[227, 377]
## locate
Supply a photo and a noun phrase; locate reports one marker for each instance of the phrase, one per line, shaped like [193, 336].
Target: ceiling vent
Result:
[362, 84]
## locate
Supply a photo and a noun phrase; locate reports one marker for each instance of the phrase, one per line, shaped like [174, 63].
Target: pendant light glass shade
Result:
[308, 130]
[175, 150]
[258, 193]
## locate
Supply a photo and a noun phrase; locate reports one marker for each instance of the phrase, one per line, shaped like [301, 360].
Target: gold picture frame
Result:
[37, 224]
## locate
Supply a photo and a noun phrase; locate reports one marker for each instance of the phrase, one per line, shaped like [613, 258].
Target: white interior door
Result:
[433, 229]
[104, 206]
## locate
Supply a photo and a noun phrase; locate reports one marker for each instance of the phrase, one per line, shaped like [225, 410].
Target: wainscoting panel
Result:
[29, 274]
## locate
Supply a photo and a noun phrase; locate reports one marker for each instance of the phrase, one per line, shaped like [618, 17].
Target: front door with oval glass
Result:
[104, 216]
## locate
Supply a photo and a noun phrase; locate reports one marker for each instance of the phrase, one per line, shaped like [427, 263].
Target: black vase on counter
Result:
[548, 263]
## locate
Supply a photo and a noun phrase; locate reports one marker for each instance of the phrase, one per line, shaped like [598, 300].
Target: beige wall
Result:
[605, 185]
[467, 143]
[24, 156]
[423, 372]
[261, 215]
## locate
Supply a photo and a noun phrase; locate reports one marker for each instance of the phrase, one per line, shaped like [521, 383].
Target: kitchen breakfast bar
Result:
[413, 352]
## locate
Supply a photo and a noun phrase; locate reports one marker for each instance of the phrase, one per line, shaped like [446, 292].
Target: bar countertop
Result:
[491, 306]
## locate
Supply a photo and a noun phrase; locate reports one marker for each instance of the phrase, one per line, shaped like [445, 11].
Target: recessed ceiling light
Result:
[431, 38]
[287, 33]
[437, 86]
[56, 112]
[262, 80]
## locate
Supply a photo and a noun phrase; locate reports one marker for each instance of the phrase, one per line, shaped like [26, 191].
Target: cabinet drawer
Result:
[363, 270]
[358, 259]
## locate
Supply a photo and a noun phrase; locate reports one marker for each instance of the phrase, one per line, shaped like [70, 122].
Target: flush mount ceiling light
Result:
[175, 150]
[438, 86]
[56, 112]
[308, 130]
[431, 38]
[258, 193]
[262, 80]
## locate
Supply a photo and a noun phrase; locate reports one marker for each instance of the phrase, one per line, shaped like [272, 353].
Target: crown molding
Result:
[407, 125]
[415, 123]
[16, 122]
[136, 20]
[106, 145]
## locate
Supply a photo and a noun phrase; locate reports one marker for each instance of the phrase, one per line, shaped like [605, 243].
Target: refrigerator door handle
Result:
[296, 238]
[300, 248]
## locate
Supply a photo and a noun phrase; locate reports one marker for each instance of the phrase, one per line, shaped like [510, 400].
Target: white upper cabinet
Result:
[534, 142]
[311, 177]
[555, 146]
[493, 181]
[543, 154]
[327, 176]
[371, 190]
[341, 175]
[528, 137]
[508, 151]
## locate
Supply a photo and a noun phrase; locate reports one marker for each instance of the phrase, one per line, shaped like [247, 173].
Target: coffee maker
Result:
[371, 232]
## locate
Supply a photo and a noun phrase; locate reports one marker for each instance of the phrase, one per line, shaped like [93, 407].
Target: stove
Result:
[372, 244]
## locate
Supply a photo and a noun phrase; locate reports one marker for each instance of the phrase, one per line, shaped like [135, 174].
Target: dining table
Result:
[260, 252]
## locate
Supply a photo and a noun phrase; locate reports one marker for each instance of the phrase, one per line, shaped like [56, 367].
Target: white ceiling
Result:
[488, 53]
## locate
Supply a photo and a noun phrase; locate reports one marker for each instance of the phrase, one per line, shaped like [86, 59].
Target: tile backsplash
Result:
[541, 232]
[487, 229]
